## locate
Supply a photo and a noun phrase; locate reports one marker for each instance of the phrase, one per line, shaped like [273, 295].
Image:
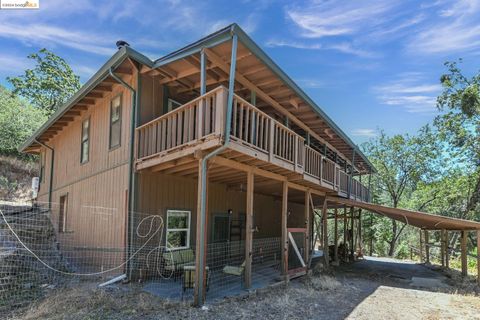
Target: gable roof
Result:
[211, 40]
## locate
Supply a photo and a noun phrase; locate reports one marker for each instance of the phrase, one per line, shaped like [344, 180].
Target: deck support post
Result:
[325, 232]
[203, 72]
[345, 223]
[201, 239]
[447, 250]
[442, 247]
[463, 245]
[249, 230]
[360, 237]
[420, 247]
[284, 230]
[350, 234]
[308, 195]
[427, 247]
[478, 257]
[335, 237]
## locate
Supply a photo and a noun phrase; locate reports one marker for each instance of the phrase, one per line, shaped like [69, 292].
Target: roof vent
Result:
[120, 44]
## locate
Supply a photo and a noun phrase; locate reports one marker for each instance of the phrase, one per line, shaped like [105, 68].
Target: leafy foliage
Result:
[49, 84]
[402, 162]
[18, 120]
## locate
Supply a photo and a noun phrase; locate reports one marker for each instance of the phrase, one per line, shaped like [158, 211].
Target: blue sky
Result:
[368, 64]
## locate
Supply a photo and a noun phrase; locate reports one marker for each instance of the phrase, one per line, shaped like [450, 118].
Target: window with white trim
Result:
[178, 229]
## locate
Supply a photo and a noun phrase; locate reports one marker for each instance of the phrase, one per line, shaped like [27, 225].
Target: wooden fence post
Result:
[427, 248]
[447, 250]
[442, 247]
[478, 257]
[420, 249]
[463, 245]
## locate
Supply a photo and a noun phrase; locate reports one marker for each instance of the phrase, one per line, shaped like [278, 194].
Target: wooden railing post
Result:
[220, 108]
[271, 139]
[201, 105]
[295, 153]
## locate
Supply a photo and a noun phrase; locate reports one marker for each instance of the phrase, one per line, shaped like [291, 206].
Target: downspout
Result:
[203, 177]
[131, 176]
[50, 187]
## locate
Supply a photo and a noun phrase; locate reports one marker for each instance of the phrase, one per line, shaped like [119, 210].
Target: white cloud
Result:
[13, 64]
[343, 47]
[456, 29]
[311, 83]
[44, 34]
[334, 18]
[409, 91]
[364, 133]
[292, 44]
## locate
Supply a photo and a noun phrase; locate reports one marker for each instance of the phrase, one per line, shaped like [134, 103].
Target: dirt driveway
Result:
[369, 289]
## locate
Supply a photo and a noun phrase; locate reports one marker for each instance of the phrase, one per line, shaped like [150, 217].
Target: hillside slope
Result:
[16, 178]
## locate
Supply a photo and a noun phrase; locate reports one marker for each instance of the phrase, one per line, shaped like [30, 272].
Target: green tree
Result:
[49, 84]
[459, 126]
[402, 161]
[18, 120]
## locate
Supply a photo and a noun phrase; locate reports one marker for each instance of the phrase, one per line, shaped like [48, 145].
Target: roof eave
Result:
[99, 76]
[251, 45]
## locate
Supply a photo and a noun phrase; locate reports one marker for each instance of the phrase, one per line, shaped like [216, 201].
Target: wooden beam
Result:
[308, 195]
[325, 232]
[123, 70]
[345, 223]
[264, 96]
[463, 245]
[249, 230]
[93, 94]
[478, 257]
[335, 237]
[199, 289]
[442, 247]
[264, 173]
[427, 247]
[352, 244]
[447, 250]
[284, 217]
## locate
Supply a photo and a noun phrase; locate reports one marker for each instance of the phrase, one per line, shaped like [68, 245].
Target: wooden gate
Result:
[296, 265]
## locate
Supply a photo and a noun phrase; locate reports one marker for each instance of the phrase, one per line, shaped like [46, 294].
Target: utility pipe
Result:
[50, 187]
[131, 176]
[203, 177]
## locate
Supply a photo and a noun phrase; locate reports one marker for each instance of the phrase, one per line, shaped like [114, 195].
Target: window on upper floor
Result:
[115, 122]
[85, 147]
[172, 105]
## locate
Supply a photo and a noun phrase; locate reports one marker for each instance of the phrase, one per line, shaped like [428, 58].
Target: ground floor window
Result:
[178, 229]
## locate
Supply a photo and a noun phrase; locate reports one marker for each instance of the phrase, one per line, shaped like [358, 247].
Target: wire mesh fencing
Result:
[40, 252]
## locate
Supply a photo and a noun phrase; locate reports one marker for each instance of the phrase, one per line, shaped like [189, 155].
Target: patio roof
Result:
[417, 219]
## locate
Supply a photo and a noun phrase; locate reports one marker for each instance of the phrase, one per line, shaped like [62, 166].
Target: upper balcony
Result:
[169, 143]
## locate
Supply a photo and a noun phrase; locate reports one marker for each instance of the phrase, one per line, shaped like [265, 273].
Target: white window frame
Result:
[176, 212]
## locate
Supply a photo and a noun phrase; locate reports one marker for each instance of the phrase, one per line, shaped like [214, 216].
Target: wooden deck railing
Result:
[204, 117]
[188, 123]
[254, 128]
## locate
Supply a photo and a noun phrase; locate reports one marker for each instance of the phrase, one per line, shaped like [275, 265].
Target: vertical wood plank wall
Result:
[96, 189]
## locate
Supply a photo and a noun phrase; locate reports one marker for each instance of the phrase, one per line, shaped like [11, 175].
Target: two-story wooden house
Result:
[216, 140]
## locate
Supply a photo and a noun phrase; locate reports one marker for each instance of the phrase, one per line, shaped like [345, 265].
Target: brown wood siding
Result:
[159, 192]
[97, 189]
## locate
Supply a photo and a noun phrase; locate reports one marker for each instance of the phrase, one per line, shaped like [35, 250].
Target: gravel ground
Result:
[371, 289]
